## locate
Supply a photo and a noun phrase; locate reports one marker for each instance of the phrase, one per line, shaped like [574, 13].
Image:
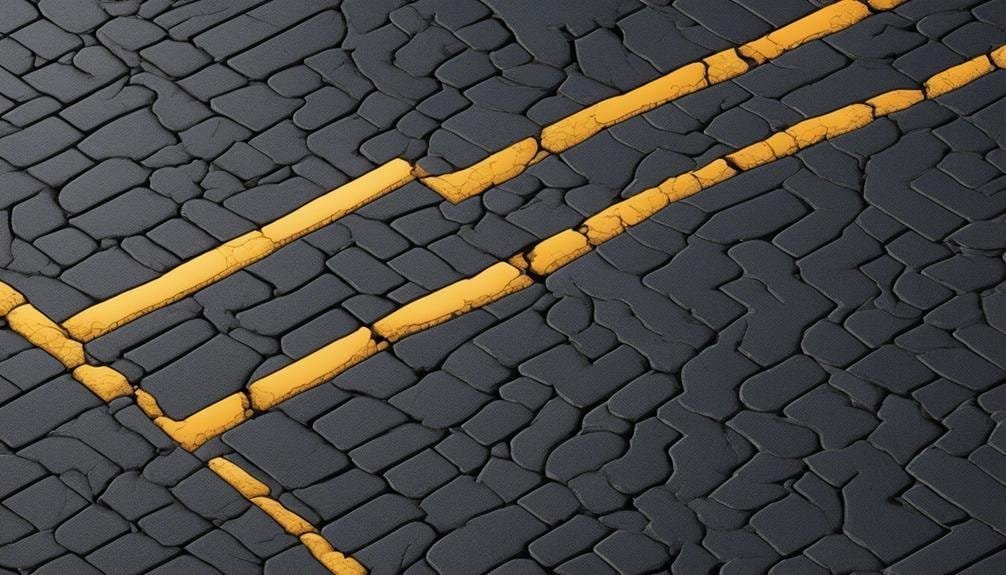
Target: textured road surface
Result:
[797, 371]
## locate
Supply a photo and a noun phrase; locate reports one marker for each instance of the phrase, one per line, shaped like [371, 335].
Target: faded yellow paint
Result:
[581, 125]
[841, 121]
[207, 423]
[557, 251]
[724, 65]
[103, 381]
[334, 561]
[10, 298]
[42, 332]
[491, 284]
[895, 101]
[313, 369]
[614, 219]
[957, 76]
[246, 483]
[505, 164]
[827, 20]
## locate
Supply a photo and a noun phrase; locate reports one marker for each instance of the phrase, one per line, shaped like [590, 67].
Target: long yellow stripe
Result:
[504, 278]
[236, 254]
[499, 167]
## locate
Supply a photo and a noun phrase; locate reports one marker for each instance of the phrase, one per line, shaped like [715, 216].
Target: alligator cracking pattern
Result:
[464, 286]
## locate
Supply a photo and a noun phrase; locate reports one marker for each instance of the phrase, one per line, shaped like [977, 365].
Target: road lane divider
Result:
[109, 384]
[258, 494]
[463, 183]
[493, 283]
[520, 271]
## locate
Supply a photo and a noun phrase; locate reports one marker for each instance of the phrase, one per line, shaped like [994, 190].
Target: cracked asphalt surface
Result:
[799, 370]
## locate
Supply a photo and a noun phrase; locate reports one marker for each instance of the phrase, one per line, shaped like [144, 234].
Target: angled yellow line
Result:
[108, 384]
[504, 278]
[313, 369]
[499, 167]
[491, 284]
[258, 494]
[236, 254]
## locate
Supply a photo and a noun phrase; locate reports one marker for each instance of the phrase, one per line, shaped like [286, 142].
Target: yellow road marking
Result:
[207, 423]
[10, 298]
[103, 381]
[236, 254]
[34, 326]
[190, 433]
[258, 494]
[313, 369]
[959, 75]
[499, 167]
[493, 283]
[489, 285]
[830, 19]
[495, 169]
[504, 278]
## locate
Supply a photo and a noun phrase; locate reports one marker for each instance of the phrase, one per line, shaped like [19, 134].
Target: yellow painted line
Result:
[42, 332]
[451, 301]
[190, 433]
[499, 167]
[236, 254]
[560, 249]
[258, 494]
[201, 426]
[103, 381]
[832, 18]
[690, 78]
[493, 283]
[313, 369]
[504, 278]
[10, 298]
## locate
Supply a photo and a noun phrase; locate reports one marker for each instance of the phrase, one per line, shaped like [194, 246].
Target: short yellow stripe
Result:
[258, 494]
[313, 369]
